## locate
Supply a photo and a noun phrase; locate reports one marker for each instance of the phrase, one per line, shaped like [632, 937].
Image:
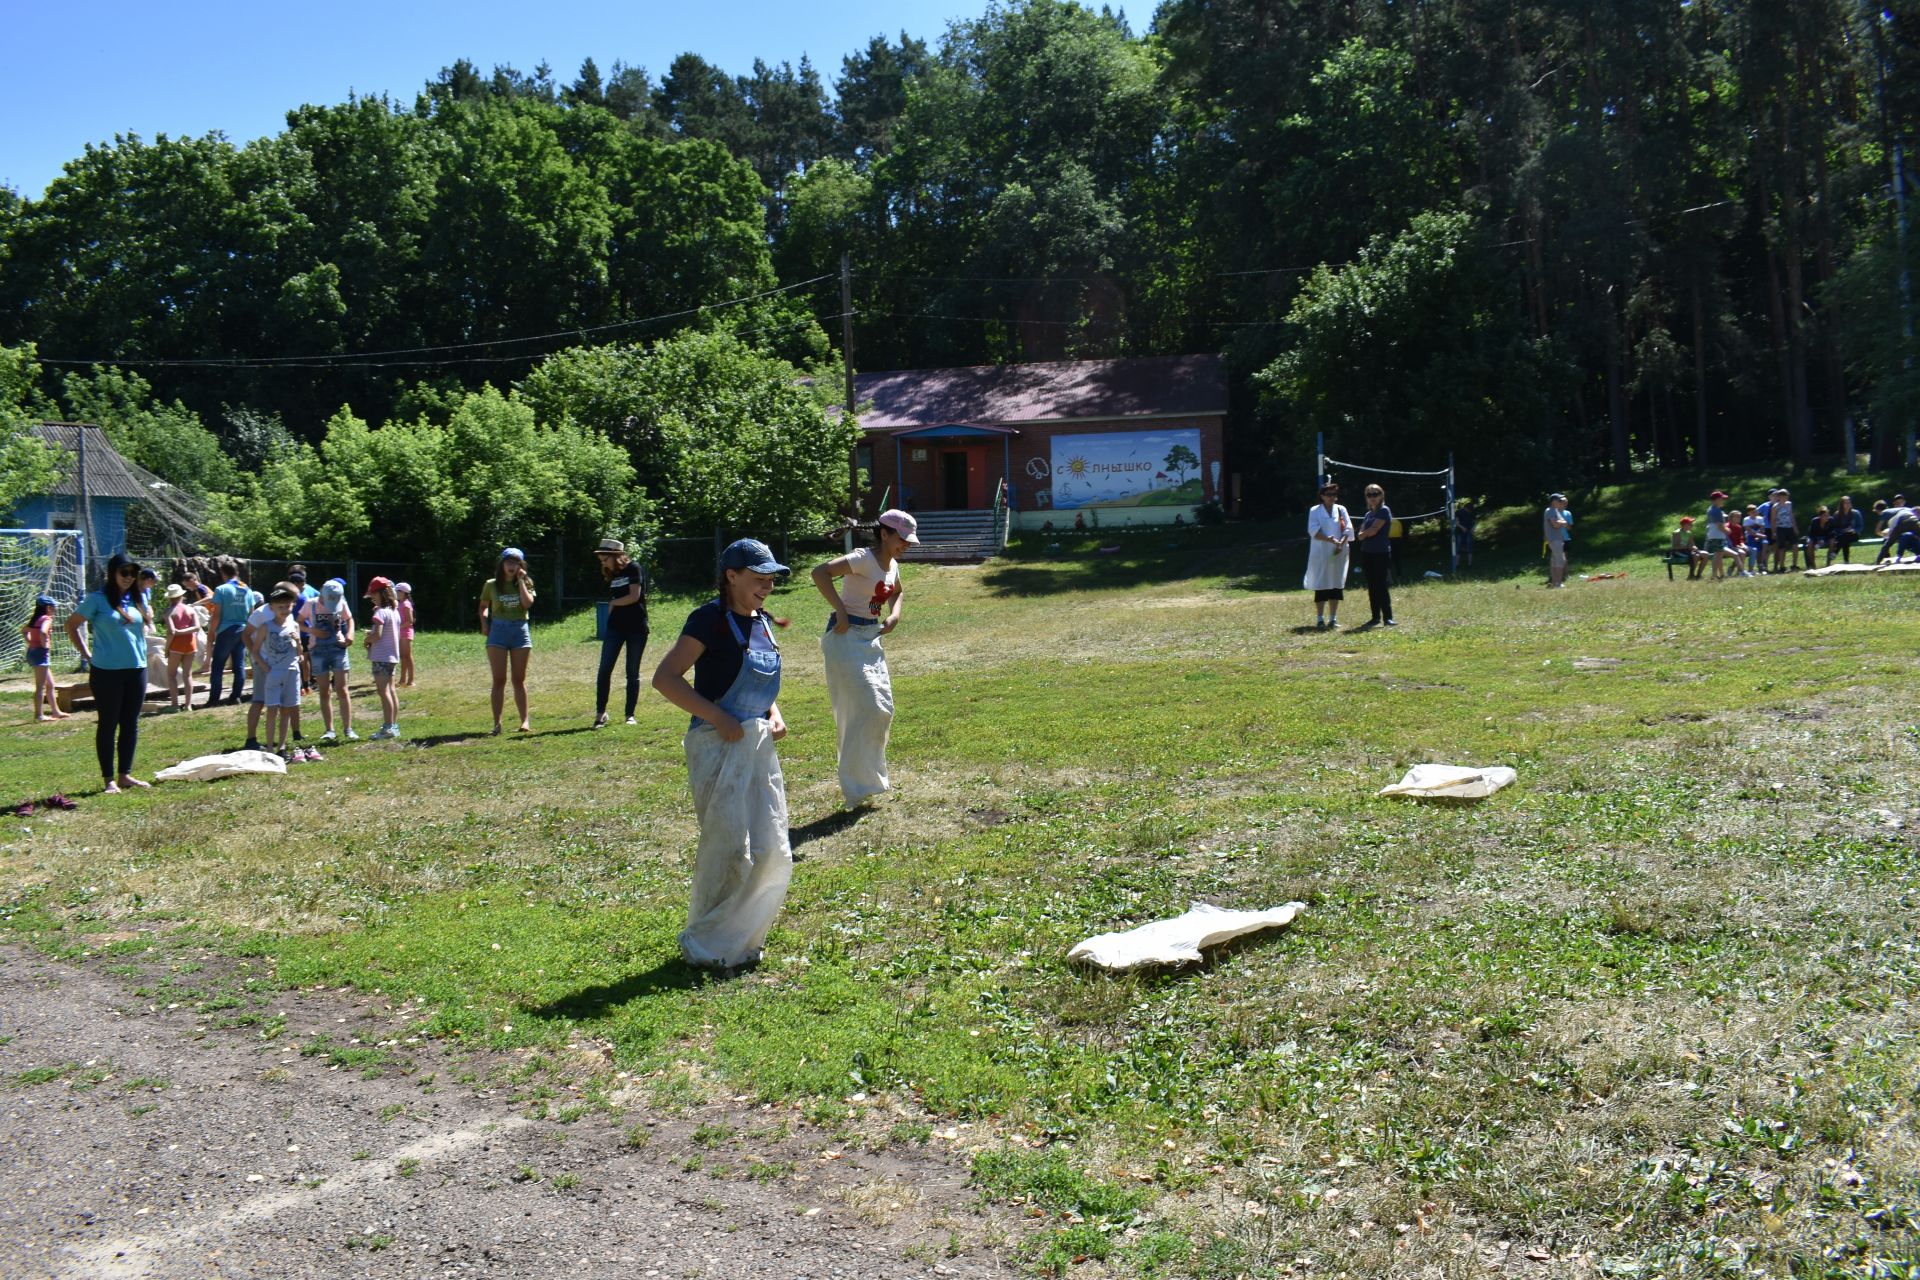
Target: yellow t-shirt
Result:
[504, 606]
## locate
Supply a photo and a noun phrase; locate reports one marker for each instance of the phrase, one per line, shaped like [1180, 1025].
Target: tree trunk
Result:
[1699, 378]
[1617, 424]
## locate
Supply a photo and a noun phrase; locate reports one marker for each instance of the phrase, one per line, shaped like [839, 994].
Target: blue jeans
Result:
[229, 645]
[610, 645]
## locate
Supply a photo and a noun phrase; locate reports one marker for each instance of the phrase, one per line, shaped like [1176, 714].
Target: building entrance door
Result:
[953, 480]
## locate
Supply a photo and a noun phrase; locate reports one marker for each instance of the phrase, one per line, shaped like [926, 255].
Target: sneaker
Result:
[1389, 623]
[329, 738]
[1333, 624]
[631, 720]
[286, 756]
[299, 736]
[352, 736]
[314, 756]
[600, 721]
[252, 744]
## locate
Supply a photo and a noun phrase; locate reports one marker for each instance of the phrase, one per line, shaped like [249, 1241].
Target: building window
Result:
[863, 459]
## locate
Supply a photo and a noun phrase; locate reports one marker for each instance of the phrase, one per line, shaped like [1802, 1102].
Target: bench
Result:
[1693, 560]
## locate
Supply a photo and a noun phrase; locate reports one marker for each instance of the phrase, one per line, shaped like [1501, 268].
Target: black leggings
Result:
[118, 696]
[611, 643]
[1379, 600]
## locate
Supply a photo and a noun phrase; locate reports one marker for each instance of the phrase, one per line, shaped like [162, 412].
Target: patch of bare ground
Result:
[303, 1134]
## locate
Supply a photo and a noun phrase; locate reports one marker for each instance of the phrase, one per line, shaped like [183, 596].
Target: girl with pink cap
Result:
[866, 607]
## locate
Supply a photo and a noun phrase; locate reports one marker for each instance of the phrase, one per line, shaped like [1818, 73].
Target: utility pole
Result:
[846, 363]
[91, 548]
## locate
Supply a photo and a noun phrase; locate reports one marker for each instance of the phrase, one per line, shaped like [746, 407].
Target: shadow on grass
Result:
[590, 1003]
[830, 825]
[444, 739]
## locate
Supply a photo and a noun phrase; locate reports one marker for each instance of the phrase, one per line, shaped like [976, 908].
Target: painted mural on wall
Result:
[1127, 469]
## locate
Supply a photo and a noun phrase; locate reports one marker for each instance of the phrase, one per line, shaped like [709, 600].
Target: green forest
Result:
[1563, 241]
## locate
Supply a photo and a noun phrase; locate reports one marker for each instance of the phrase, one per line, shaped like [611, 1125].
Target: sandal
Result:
[24, 811]
[58, 801]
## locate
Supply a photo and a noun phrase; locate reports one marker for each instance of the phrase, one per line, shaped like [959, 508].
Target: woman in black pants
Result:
[626, 624]
[1376, 553]
[115, 651]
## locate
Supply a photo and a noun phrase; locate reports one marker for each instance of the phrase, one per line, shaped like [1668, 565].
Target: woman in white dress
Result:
[1330, 538]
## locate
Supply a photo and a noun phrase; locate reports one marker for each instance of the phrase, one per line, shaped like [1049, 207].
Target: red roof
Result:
[1065, 390]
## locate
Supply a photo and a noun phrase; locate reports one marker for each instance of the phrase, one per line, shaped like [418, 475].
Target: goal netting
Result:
[37, 562]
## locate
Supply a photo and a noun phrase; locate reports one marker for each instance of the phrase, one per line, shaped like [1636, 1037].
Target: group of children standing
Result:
[295, 639]
[1741, 544]
[301, 639]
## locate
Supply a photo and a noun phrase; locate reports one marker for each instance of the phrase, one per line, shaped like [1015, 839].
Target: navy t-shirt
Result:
[718, 665]
[1378, 544]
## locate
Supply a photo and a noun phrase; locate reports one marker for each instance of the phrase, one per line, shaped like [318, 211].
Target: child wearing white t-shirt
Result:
[866, 606]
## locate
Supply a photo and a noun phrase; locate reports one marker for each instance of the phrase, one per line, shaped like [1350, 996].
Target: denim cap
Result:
[49, 601]
[332, 592]
[752, 555]
[513, 553]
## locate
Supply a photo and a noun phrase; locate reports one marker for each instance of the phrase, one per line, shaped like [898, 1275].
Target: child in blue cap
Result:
[505, 601]
[743, 863]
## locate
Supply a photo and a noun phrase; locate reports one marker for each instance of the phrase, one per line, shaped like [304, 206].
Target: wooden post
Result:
[846, 364]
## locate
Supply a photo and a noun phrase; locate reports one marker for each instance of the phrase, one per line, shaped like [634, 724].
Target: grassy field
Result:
[1650, 1012]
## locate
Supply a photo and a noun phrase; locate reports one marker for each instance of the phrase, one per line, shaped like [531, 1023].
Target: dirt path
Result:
[138, 1138]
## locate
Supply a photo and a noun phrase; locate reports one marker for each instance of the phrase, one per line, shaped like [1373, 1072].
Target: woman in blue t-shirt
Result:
[115, 651]
[741, 870]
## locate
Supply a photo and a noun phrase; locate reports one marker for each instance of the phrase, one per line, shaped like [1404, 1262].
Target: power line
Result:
[324, 360]
[374, 366]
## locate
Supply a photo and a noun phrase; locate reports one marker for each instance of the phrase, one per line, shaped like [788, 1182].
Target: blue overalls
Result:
[753, 691]
[743, 863]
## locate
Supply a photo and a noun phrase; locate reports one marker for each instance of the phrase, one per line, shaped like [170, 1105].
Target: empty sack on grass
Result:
[225, 765]
[1451, 782]
[1179, 940]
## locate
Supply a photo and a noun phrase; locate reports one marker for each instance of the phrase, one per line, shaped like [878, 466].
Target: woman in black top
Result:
[1375, 553]
[626, 624]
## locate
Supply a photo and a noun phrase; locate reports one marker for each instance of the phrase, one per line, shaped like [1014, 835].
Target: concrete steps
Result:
[956, 537]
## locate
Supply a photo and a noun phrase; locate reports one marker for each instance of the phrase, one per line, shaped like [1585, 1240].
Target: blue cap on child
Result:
[752, 555]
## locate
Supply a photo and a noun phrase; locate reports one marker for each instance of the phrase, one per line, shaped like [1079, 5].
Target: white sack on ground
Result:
[1181, 939]
[226, 765]
[741, 870]
[862, 695]
[1451, 782]
[1835, 570]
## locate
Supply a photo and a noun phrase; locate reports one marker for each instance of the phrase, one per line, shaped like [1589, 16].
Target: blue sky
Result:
[82, 73]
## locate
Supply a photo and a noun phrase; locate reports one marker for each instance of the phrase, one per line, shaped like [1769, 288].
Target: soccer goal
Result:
[37, 562]
[1438, 486]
